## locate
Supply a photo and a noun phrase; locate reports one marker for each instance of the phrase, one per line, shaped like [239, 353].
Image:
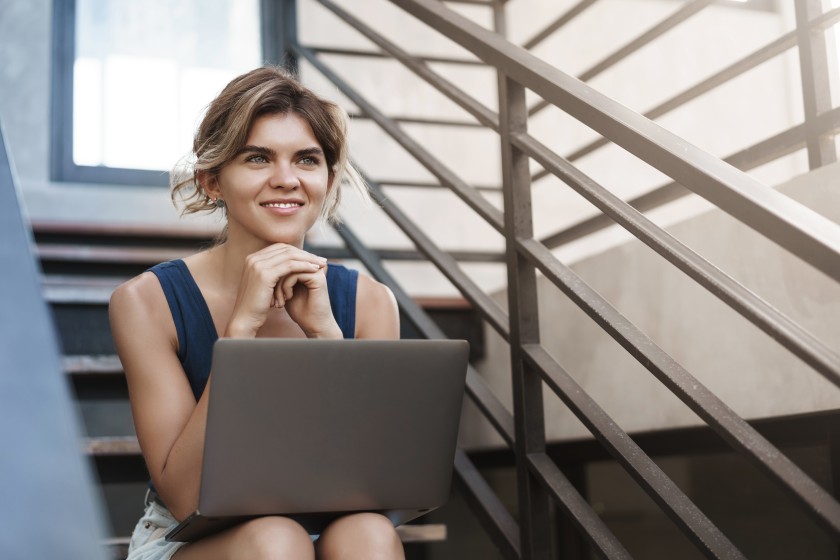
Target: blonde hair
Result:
[224, 131]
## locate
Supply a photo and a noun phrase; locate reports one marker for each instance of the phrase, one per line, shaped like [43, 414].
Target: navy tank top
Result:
[195, 327]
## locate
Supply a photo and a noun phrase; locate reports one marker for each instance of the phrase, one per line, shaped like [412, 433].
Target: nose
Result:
[284, 177]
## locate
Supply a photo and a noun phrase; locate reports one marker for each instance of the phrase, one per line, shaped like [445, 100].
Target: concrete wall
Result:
[750, 372]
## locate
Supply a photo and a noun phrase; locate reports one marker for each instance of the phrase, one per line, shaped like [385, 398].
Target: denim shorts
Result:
[147, 540]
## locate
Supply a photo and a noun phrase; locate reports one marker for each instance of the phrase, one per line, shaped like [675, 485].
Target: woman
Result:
[271, 156]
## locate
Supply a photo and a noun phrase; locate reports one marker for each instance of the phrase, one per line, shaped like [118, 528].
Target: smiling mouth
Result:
[282, 204]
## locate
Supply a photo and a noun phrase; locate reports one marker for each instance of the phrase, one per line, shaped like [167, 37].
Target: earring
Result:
[219, 203]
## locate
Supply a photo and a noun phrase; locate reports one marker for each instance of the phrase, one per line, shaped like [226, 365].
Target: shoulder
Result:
[149, 287]
[371, 292]
[143, 287]
[138, 302]
[377, 315]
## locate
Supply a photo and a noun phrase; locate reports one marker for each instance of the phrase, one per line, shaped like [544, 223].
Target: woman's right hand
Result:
[262, 286]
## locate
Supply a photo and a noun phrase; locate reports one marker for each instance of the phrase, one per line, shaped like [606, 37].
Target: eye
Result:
[309, 161]
[256, 158]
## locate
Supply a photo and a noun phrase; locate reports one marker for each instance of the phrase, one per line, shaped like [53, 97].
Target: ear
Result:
[208, 183]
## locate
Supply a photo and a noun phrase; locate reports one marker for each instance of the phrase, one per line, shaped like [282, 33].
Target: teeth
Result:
[281, 204]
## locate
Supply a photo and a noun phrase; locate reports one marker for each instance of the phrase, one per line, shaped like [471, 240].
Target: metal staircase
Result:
[803, 232]
[553, 516]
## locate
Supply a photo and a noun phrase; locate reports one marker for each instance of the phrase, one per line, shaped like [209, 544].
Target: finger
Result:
[312, 280]
[271, 274]
[284, 251]
[285, 289]
[287, 285]
[273, 269]
[277, 298]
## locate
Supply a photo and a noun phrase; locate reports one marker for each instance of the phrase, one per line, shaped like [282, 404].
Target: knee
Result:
[375, 528]
[274, 538]
[362, 535]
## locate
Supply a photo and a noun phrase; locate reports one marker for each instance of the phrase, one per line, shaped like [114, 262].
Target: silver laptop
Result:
[317, 429]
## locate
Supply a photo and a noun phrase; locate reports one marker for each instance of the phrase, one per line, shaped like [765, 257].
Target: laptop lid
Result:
[300, 426]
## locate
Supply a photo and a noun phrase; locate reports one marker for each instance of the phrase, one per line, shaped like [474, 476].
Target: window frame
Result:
[278, 30]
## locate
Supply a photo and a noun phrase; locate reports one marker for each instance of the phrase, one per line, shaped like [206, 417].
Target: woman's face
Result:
[275, 187]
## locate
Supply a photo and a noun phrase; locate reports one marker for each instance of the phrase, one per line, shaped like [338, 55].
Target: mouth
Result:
[281, 204]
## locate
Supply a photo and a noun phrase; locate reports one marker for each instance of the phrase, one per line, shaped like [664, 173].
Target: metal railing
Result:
[806, 234]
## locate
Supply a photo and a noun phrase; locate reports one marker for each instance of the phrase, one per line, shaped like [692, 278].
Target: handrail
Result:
[805, 233]
[576, 508]
[447, 265]
[681, 15]
[814, 71]
[650, 477]
[481, 113]
[564, 18]
[731, 427]
[376, 54]
[429, 184]
[468, 194]
[745, 64]
[506, 535]
[489, 309]
[482, 396]
[427, 121]
[778, 326]
[767, 150]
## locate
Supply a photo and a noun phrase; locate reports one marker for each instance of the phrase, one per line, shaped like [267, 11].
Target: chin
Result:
[289, 233]
[295, 238]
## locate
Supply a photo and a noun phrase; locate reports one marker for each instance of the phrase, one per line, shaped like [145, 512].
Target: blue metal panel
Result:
[50, 510]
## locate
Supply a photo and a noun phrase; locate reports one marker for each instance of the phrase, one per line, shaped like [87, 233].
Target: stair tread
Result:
[111, 445]
[79, 294]
[92, 365]
[162, 231]
[409, 533]
[68, 280]
[108, 254]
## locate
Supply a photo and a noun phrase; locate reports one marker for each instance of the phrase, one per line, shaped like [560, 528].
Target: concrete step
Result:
[111, 446]
[67, 289]
[92, 366]
[433, 532]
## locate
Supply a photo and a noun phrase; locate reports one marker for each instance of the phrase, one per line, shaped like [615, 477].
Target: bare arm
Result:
[169, 423]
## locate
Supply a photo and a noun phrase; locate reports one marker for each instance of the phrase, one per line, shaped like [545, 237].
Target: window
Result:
[131, 80]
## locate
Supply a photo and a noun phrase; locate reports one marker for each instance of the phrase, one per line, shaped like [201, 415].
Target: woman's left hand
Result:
[308, 304]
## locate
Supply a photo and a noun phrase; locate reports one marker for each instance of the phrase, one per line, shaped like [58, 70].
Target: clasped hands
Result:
[283, 276]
